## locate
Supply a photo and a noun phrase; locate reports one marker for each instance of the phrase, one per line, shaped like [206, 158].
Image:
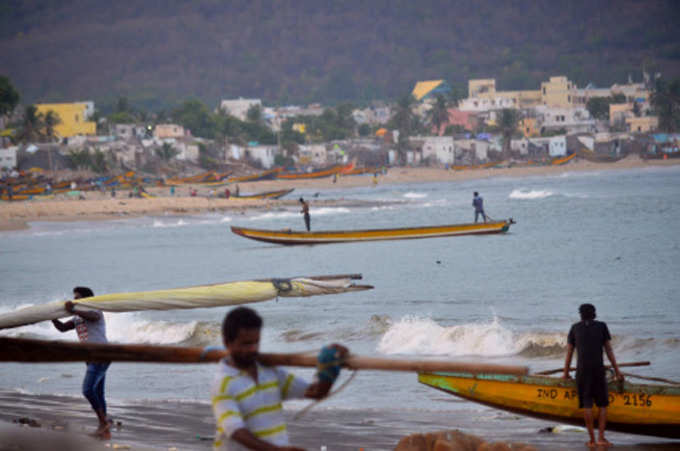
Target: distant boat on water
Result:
[293, 237]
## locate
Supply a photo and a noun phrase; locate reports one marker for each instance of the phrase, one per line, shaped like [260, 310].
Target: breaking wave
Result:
[530, 195]
[412, 195]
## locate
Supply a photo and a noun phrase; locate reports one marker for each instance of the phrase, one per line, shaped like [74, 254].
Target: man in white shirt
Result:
[91, 328]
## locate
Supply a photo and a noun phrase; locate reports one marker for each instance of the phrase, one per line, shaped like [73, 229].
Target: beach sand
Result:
[169, 425]
[100, 206]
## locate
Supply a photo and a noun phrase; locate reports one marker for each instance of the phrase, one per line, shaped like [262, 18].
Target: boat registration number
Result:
[629, 399]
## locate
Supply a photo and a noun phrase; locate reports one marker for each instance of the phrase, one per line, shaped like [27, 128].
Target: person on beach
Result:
[247, 395]
[237, 191]
[478, 203]
[589, 337]
[91, 328]
[305, 211]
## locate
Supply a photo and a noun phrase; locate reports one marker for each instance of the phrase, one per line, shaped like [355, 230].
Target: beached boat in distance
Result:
[265, 195]
[291, 237]
[633, 408]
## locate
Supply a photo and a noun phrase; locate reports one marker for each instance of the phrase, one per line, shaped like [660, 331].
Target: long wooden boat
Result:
[265, 195]
[633, 408]
[265, 175]
[291, 237]
[315, 174]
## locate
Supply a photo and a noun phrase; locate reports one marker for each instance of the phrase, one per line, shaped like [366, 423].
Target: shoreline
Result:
[100, 206]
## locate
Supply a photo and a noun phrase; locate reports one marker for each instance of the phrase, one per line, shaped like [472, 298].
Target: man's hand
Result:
[343, 352]
[566, 375]
[619, 376]
[69, 306]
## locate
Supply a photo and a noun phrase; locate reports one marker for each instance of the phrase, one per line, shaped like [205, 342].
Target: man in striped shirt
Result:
[247, 396]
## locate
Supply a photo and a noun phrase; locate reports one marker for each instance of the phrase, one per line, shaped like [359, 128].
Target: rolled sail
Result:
[232, 293]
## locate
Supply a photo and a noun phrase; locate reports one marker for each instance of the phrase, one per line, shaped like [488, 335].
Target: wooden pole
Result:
[557, 370]
[36, 351]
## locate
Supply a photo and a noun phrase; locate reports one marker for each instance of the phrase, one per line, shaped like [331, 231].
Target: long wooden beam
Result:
[44, 351]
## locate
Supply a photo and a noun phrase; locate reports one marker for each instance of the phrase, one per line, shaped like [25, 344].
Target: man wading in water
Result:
[589, 337]
[305, 211]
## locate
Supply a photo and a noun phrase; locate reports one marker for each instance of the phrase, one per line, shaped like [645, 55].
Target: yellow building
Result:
[556, 92]
[642, 124]
[165, 131]
[483, 87]
[528, 127]
[618, 112]
[486, 89]
[72, 118]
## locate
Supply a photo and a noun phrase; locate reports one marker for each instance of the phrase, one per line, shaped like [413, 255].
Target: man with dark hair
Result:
[589, 337]
[478, 203]
[305, 211]
[246, 395]
[91, 328]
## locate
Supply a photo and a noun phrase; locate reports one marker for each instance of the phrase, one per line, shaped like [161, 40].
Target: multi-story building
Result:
[165, 131]
[239, 107]
[73, 118]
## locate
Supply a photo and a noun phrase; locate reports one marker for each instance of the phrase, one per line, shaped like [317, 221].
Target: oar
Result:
[545, 373]
[29, 350]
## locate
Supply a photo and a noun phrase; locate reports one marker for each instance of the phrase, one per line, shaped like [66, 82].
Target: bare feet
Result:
[590, 444]
[603, 442]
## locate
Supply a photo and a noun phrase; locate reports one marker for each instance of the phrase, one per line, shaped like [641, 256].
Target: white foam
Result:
[412, 195]
[528, 195]
[329, 211]
[417, 335]
[161, 224]
[272, 215]
[225, 219]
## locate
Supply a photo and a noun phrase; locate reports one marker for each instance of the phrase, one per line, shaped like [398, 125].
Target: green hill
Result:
[157, 52]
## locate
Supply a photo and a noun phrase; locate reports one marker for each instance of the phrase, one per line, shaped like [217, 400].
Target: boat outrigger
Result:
[292, 237]
[646, 409]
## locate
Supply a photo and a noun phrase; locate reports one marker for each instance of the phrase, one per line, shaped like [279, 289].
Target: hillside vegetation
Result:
[158, 52]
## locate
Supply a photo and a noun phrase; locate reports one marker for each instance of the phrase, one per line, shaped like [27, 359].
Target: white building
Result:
[557, 146]
[187, 150]
[437, 148]
[165, 131]
[574, 120]
[315, 154]
[8, 158]
[126, 131]
[264, 154]
[239, 107]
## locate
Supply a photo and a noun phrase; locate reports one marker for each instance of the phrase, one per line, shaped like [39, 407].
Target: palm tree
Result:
[405, 122]
[666, 103]
[438, 114]
[166, 152]
[507, 125]
[51, 120]
[32, 125]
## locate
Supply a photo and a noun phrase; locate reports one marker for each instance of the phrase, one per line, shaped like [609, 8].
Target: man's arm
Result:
[610, 355]
[63, 327]
[85, 314]
[247, 439]
[567, 361]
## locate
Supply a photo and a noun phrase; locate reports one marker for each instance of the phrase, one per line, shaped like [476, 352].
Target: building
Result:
[8, 158]
[482, 96]
[618, 112]
[571, 119]
[166, 131]
[643, 124]
[528, 126]
[428, 89]
[126, 131]
[265, 155]
[73, 118]
[437, 149]
[314, 154]
[556, 92]
[239, 107]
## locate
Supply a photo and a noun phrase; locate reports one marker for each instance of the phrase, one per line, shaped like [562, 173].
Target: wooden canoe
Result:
[313, 175]
[265, 195]
[291, 237]
[633, 408]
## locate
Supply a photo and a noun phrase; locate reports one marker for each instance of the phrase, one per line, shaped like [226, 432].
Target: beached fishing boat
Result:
[633, 408]
[315, 174]
[291, 237]
[265, 175]
[203, 296]
[265, 195]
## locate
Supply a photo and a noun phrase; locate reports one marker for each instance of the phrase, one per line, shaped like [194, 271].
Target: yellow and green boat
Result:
[292, 237]
[633, 408]
[265, 195]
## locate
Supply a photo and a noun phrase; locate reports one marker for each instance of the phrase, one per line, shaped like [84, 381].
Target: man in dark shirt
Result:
[478, 203]
[305, 212]
[589, 337]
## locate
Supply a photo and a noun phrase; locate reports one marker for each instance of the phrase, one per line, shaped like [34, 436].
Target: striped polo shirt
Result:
[238, 402]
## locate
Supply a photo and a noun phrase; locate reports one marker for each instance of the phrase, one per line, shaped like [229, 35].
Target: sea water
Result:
[609, 238]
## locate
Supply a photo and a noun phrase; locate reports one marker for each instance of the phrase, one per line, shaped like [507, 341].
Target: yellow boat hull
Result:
[636, 408]
[292, 237]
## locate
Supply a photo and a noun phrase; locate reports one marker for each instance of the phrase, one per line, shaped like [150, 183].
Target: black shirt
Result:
[588, 337]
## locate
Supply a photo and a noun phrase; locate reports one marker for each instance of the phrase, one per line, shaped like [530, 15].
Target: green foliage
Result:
[51, 120]
[666, 104]
[598, 107]
[439, 114]
[254, 114]
[166, 152]
[283, 160]
[506, 123]
[9, 97]
[98, 162]
[80, 159]
[122, 117]
[196, 117]
[365, 130]
[84, 159]
[32, 125]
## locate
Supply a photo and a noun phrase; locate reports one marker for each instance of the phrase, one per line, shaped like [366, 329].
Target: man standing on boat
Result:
[589, 337]
[246, 395]
[305, 211]
[91, 328]
[478, 203]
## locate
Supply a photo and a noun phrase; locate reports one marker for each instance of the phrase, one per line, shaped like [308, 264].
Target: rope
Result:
[301, 413]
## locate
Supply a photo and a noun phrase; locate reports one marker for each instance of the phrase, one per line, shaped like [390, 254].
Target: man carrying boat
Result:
[589, 337]
[91, 328]
[246, 395]
[305, 211]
